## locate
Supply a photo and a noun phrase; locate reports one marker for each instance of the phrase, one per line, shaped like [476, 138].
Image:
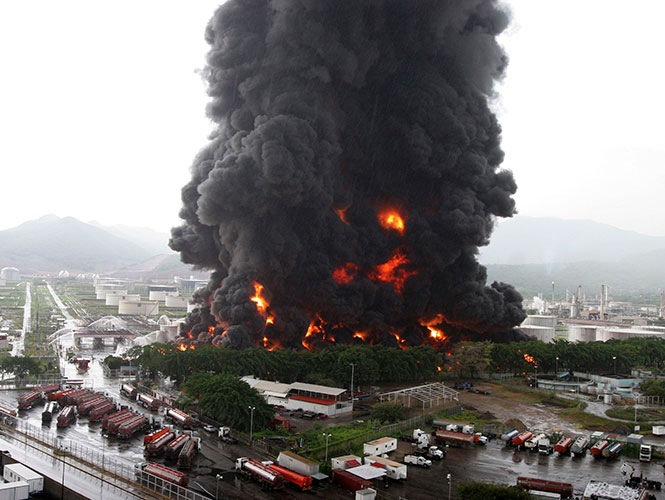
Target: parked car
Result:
[209, 428]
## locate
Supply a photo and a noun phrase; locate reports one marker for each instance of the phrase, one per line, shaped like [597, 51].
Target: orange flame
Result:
[393, 271]
[360, 335]
[435, 333]
[345, 273]
[529, 359]
[439, 368]
[261, 303]
[189, 334]
[184, 347]
[341, 213]
[391, 219]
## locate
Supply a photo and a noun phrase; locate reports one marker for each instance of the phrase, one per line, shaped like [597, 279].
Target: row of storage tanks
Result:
[544, 327]
[131, 303]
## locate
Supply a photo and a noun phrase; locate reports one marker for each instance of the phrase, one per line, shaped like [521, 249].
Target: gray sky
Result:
[102, 111]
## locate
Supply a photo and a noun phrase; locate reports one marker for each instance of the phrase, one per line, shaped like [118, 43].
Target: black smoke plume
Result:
[328, 114]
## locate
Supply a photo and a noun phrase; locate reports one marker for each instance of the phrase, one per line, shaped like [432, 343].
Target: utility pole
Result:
[353, 366]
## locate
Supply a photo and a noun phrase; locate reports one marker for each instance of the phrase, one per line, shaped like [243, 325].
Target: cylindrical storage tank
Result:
[540, 320]
[542, 333]
[607, 399]
[176, 301]
[582, 333]
[10, 274]
[114, 300]
[139, 307]
[113, 297]
[191, 307]
[574, 311]
[171, 331]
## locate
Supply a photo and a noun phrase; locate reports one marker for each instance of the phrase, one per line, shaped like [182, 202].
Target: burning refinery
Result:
[354, 171]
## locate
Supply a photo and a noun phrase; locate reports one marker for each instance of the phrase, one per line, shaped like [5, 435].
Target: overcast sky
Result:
[102, 110]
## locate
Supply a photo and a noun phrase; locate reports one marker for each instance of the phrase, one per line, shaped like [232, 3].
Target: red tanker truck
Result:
[162, 472]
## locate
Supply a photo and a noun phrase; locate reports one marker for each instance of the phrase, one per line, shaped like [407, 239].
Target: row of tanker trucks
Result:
[602, 448]
[173, 446]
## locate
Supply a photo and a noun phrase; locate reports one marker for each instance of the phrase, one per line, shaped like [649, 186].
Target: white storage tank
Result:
[540, 320]
[113, 299]
[582, 333]
[160, 295]
[113, 296]
[176, 301]
[191, 307]
[607, 399]
[139, 307]
[10, 274]
[542, 333]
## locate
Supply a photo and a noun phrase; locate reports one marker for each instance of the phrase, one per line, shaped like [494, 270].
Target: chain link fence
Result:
[111, 469]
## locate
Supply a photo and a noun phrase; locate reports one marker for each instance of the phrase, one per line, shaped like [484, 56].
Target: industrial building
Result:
[10, 274]
[308, 397]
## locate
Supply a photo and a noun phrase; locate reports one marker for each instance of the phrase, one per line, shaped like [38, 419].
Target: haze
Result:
[103, 110]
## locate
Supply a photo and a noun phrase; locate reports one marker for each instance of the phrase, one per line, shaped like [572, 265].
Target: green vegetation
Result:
[227, 399]
[373, 363]
[474, 490]
[20, 365]
[654, 388]
[582, 356]
[643, 414]
[387, 413]
[587, 420]
[113, 362]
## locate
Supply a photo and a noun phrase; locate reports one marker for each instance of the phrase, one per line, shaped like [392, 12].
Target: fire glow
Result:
[393, 271]
[435, 333]
[345, 273]
[261, 303]
[341, 213]
[390, 219]
[529, 359]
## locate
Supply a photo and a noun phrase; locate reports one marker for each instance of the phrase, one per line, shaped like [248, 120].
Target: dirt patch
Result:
[488, 415]
[516, 424]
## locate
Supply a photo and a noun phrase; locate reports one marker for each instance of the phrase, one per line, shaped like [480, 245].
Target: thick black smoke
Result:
[329, 112]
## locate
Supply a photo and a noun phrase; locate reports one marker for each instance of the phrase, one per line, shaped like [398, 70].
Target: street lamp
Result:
[251, 422]
[535, 369]
[217, 478]
[326, 436]
[353, 367]
[556, 371]
[614, 358]
[449, 478]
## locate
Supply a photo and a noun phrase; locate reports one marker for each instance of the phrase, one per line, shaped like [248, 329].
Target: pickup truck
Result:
[417, 460]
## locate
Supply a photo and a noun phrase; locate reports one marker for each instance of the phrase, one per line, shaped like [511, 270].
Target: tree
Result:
[387, 412]
[113, 362]
[228, 399]
[476, 490]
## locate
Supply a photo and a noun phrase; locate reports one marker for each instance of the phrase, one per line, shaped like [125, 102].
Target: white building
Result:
[308, 397]
[139, 307]
[10, 274]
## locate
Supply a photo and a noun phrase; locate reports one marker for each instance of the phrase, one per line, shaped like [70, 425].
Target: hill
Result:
[154, 242]
[543, 240]
[51, 243]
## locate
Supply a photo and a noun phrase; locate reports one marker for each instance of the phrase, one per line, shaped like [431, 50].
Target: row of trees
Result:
[331, 366]
[20, 366]
[470, 359]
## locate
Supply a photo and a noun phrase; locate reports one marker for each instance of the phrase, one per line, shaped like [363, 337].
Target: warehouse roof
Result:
[321, 389]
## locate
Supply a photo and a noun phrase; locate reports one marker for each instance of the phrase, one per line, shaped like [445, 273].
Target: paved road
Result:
[17, 347]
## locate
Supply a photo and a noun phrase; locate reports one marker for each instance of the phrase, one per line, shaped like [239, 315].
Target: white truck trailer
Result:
[19, 472]
[394, 470]
[18, 490]
[380, 446]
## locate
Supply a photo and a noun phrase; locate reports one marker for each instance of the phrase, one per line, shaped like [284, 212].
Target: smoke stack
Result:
[355, 171]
